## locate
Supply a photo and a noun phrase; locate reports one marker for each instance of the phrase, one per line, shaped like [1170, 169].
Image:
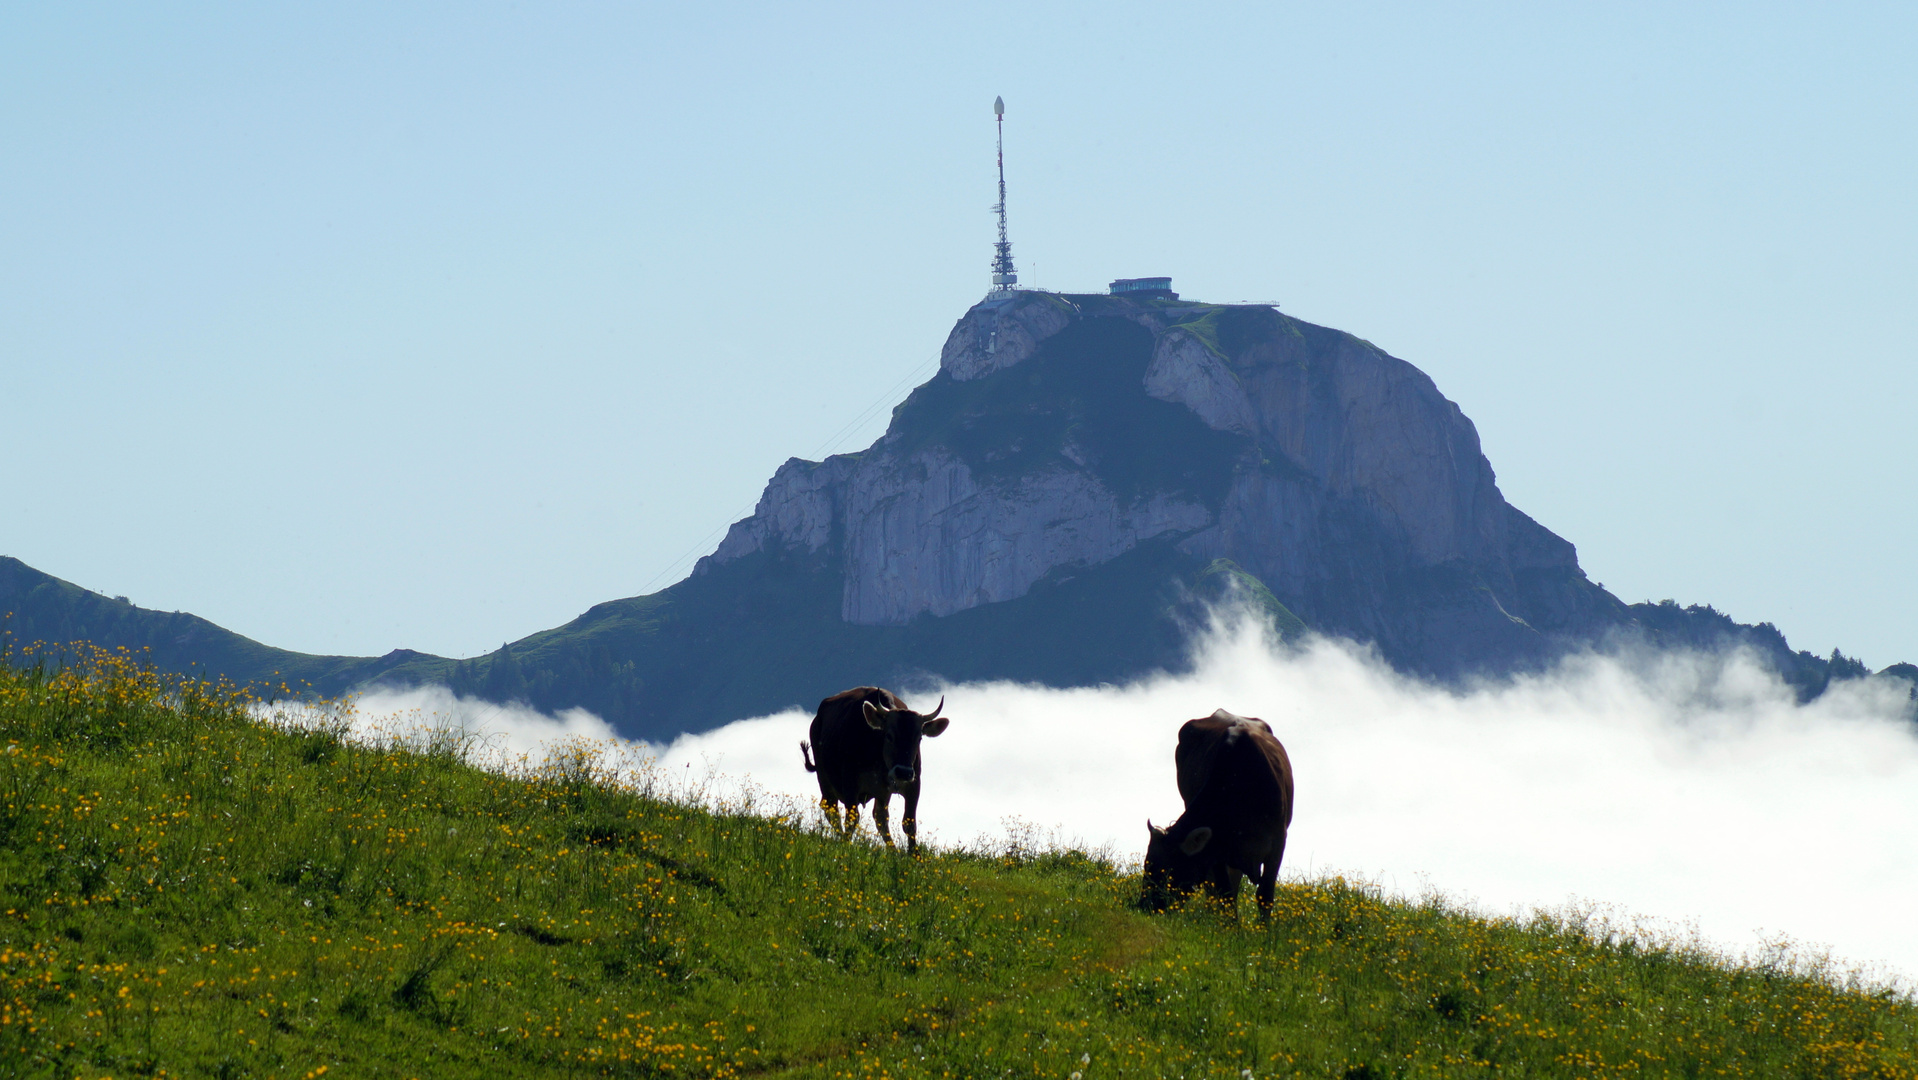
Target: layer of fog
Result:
[1689, 788]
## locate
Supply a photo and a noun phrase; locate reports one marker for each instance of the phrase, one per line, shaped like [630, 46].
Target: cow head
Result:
[903, 729]
[1175, 863]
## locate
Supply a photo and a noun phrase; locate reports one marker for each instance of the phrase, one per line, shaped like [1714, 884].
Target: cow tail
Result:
[805, 755]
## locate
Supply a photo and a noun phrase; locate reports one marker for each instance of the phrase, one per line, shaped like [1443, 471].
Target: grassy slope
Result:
[188, 893]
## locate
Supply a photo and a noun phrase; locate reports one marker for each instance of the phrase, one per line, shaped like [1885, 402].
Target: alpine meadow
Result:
[191, 890]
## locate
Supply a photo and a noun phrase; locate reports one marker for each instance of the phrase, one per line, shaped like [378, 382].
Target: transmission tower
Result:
[1003, 276]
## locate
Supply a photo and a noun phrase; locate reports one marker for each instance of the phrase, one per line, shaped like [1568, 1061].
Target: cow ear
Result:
[933, 728]
[1196, 840]
[1153, 829]
[874, 718]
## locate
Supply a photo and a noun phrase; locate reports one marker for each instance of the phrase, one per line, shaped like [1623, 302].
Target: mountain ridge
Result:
[38, 609]
[1059, 504]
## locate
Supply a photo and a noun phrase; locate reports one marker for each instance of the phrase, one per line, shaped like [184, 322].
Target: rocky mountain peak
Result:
[1065, 430]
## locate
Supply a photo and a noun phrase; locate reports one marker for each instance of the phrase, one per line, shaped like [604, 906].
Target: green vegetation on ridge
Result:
[666, 663]
[185, 891]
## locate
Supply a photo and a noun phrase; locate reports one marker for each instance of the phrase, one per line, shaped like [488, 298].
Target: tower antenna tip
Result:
[998, 106]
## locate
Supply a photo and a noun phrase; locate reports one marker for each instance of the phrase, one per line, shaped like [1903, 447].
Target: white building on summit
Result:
[1158, 288]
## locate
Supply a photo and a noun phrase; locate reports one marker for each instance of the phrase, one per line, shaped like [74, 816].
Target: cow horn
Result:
[937, 709]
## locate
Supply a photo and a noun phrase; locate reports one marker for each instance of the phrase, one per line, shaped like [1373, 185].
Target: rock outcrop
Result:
[924, 535]
[1064, 431]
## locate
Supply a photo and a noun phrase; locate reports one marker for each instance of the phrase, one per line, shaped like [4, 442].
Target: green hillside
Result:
[37, 607]
[668, 663]
[189, 893]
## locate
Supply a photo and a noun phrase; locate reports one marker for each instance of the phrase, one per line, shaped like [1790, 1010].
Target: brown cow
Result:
[868, 747]
[1237, 785]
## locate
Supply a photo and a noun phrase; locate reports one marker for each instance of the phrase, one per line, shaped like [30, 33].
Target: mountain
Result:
[1064, 431]
[1060, 504]
[1052, 505]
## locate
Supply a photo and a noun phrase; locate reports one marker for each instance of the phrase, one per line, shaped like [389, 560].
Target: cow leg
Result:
[1269, 880]
[852, 820]
[911, 821]
[1268, 884]
[1225, 887]
[830, 808]
[882, 817]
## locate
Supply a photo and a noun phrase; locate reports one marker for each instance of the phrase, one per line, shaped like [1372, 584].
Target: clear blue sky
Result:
[360, 326]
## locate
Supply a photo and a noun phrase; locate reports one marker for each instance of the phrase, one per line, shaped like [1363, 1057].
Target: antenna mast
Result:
[1003, 277]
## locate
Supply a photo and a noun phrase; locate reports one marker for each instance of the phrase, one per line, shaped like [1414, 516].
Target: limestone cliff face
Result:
[1063, 431]
[923, 535]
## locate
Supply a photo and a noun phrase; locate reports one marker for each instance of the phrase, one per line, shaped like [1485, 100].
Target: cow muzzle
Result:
[902, 774]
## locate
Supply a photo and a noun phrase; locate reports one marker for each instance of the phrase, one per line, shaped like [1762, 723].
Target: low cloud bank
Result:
[1688, 787]
[487, 734]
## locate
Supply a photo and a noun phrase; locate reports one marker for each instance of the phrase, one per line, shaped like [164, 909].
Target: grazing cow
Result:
[1237, 785]
[867, 743]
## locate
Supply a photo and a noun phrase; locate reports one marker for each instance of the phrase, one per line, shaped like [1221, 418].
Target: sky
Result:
[362, 326]
[1642, 788]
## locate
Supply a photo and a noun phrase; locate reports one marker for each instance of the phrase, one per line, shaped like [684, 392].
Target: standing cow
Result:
[867, 743]
[1237, 785]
